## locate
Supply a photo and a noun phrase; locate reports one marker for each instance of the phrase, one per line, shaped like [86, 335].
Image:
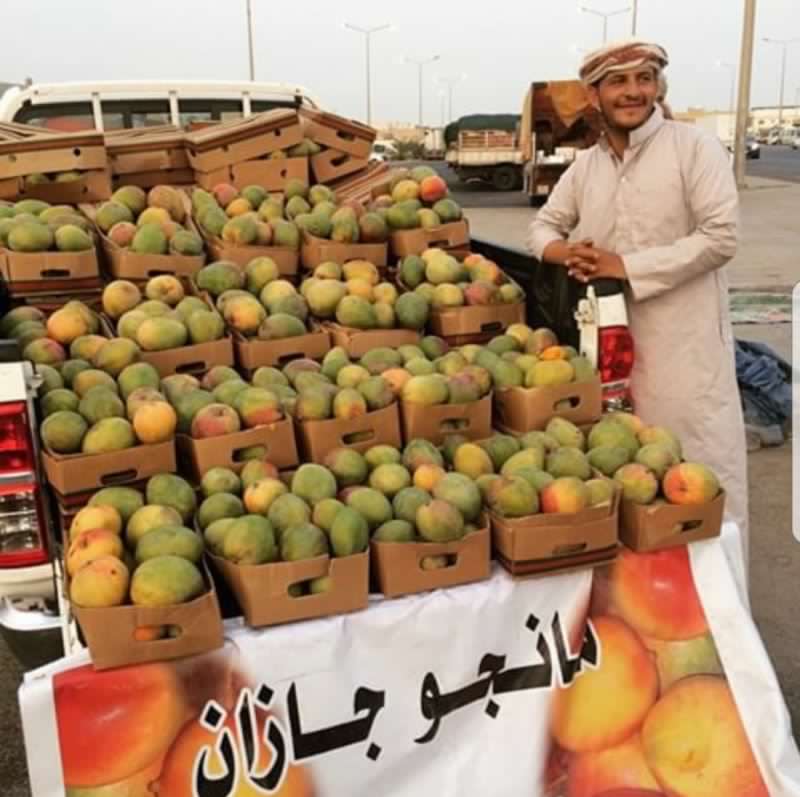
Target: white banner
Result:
[458, 693]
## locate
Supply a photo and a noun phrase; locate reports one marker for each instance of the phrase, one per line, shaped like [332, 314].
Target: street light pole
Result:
[250, 39]
[451, 82]
[367, 33]
[785, 44]
[635, 17]
[419, 64]
[745, 79]
[605, 15]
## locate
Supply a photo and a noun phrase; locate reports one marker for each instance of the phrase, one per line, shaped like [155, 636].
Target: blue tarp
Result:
[765, 383]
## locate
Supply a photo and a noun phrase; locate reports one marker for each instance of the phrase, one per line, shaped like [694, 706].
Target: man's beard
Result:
[612, 124]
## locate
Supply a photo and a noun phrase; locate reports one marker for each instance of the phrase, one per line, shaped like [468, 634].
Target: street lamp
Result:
[419, 64]
[605, 15]
[785, 44]
[367, 33]
[250, 39]
[732, 104]
[451, 82]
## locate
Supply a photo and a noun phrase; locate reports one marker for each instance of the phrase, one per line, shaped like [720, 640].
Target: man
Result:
[654, 203]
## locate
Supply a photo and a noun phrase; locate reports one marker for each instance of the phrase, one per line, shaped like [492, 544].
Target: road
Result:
[776, 163]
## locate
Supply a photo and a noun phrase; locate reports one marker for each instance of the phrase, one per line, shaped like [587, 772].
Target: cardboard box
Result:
[124, 264]
[287, 260]
[415, 242]
[357, 342]
[200, 456]
[269, 174]
[147, 149]
[93, 186]
[319, 250]
[654, 527]
[547, 543]
[361, 186]
[336, 132]
[519, 409]
[252, 353]
[263, 590]
[381, 427]
[43, 270]
[194, 359]
[436, 423]
[476, 324]
[75, 473]
[227, 143]
[397, 566]
[26, 150]
[109, 633]
[332, 164]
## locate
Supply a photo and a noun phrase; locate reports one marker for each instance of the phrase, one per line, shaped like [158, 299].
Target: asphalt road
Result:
[776, 163]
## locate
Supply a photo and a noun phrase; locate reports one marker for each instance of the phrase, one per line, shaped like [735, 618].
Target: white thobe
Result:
[669, 208]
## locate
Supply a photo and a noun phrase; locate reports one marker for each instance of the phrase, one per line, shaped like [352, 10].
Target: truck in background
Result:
[558, 121]
[486, 147]
[530, 151]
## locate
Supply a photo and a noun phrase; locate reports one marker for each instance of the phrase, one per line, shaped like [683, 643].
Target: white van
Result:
[113, 105]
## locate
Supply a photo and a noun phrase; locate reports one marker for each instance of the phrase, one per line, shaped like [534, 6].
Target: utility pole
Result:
[785, 44]
[250, 40]
[745, 80]
[367, 33]
[420, 64]
[605, 15]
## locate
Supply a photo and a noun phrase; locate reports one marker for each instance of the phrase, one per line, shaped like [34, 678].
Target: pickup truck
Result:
[33, 621]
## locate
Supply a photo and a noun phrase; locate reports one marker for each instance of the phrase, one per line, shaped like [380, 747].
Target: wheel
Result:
[504, 178]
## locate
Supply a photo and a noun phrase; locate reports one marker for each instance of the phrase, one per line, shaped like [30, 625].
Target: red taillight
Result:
[16, 448]
[22, 526]
[22, 519]
[615, 354]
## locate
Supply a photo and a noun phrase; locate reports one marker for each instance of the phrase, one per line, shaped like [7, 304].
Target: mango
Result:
[533, 457]
[370, 503]
[609, 459]
[166, 581]
[513, 497]
[471, 460]
[126, 501]
[408, 501]
[133, 197]
[569, 462]
[111, 213]
[168, 198]
[170, 541]
[313, 483]
[92, 545]
[116, 355]
[108, 435]
[44, 352]
[71, 238]
[100, 403]
[218, 506]
[440, 521]
[615, 434]
[147, 518]
[161, 334]
[150, 239]
[349, 533]
[305, 541]
[287, 511]
[168, 489]
[219, 277]
[250, 540]
[462, 492]
[63, 432]
[565, 495]
[59, 400]
[566, 433]
[390, 479]
[101, 583]
[639, 484]
[348, 466]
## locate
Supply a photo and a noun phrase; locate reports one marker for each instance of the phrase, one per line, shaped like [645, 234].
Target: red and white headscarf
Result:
[619, 57]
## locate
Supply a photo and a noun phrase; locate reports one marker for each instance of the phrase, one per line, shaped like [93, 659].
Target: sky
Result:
[490, 53]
